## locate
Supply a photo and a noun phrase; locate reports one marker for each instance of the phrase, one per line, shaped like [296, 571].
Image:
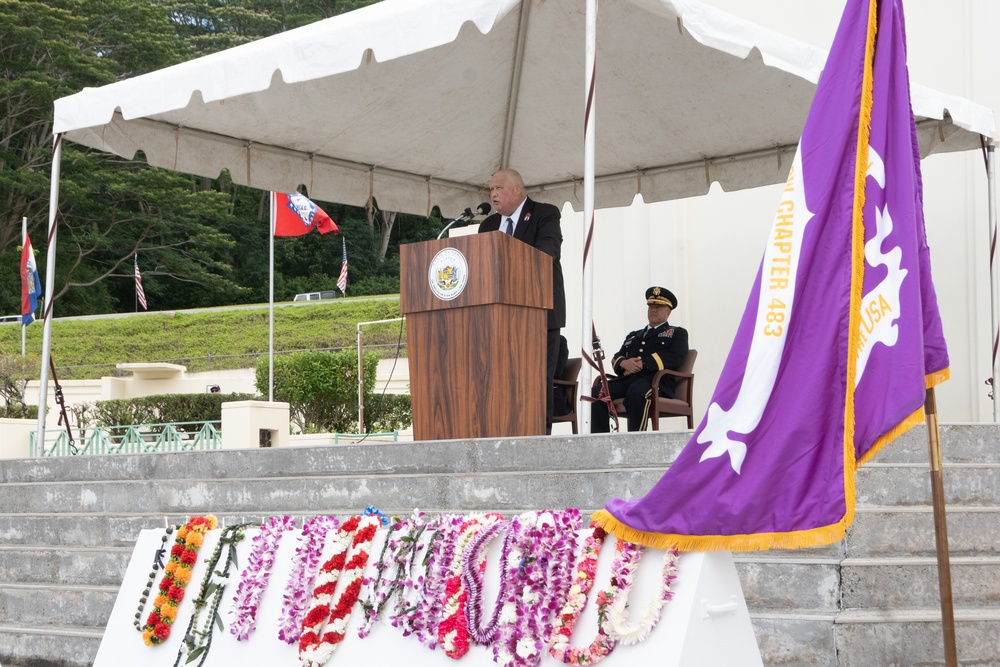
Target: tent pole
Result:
[590, 95]
[50, 287]
[994, 291]
[940, 531]
[270, 302]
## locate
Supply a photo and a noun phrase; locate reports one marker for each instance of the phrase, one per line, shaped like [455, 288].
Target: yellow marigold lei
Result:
[176, 575]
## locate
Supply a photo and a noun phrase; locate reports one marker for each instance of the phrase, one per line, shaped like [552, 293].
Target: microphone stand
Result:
[465, 217]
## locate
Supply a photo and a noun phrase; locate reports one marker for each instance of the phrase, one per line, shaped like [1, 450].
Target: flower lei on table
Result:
[539, 574]
[586, 571]
[473, 576]
[453, 629]
[616, 623]
[305, 568]
[157, 565]
[355, 534]
[254, 578]
[198, 641]
[176, 576]
[397, 557]
[404, 613]
[423, 620]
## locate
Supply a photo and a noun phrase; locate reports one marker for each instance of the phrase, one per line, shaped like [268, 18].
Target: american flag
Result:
[342, 280]
[139, 293]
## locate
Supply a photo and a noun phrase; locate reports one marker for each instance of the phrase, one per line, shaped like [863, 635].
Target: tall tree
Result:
[184, 228]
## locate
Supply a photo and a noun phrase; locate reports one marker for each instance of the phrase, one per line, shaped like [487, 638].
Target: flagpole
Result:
[270, 310]
[50, 288]
[24, 242]
[994, 292]
[590, 101]
[941, 531]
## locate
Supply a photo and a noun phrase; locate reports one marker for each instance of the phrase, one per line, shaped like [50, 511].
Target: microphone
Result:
[466, 217]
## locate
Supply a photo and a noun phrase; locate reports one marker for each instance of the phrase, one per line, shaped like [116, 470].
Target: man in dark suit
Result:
[536, 224]
[644, 352]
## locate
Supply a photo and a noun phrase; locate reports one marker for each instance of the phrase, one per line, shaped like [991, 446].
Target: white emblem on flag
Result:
[774, 309]
[880, 308]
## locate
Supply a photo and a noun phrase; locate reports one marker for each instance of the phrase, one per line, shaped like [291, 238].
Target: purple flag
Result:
[841, 334]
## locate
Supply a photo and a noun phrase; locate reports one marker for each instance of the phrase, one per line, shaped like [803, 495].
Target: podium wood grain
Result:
[477, 362]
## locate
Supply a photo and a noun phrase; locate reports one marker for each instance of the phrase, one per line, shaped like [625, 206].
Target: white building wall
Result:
[707, 249]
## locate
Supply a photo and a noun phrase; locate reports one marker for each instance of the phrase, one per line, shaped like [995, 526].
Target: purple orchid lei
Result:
[404, 612]
[253, 579]
[430, 606]
[395, 562]
[305, 568]
[539, 575]
[474, 581]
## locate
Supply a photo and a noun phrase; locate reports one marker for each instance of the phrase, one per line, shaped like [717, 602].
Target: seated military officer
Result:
[644, 352]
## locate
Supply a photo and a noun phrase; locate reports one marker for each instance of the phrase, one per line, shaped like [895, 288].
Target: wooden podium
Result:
[475, 310]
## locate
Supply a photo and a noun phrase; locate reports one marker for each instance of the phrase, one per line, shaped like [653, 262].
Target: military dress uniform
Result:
[663, 346]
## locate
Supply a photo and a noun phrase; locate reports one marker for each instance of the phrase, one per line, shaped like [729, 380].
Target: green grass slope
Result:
[215, 339]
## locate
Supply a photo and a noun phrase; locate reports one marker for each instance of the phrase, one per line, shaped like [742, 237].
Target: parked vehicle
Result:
[316, 296]
[11, 318]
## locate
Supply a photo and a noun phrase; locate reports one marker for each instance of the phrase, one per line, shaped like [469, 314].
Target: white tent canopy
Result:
[418, 102]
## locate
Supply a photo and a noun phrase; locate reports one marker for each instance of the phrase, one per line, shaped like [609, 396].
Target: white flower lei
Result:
[616, 624]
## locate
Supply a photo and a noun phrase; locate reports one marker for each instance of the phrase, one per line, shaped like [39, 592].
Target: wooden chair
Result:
[680, 406]
[569, 380]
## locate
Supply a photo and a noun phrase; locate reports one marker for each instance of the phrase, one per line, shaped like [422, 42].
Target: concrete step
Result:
[961, 443]
[912, 583]
[775, 583]
[48, 646]
[62, 566]
[74, 529]
[879, 485]
[908, 484]
[880, 531]
[803, 639]
[38, 605]
[914, 637]
[505, 491]
[596, 452]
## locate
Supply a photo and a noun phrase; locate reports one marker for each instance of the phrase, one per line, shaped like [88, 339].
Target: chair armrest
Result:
[666, 371]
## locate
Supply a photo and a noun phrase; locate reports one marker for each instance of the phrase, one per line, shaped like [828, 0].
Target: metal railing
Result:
[133, 439]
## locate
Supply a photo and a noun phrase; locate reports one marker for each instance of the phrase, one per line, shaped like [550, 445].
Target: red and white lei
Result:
[326, 622]
[453, 630]
[586, 571]
[302, 577]
[423, 620]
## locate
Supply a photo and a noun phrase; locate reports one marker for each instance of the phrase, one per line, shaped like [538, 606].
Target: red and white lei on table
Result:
[325, 623]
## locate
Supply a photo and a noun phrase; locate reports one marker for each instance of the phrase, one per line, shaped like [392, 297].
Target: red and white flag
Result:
[342, 280]
[294, 214]
[140, 294]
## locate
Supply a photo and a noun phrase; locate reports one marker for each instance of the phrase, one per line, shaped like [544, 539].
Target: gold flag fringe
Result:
[914, 419]
[801, 539]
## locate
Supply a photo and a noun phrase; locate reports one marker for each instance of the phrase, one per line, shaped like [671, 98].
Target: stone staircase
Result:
[67, 527]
